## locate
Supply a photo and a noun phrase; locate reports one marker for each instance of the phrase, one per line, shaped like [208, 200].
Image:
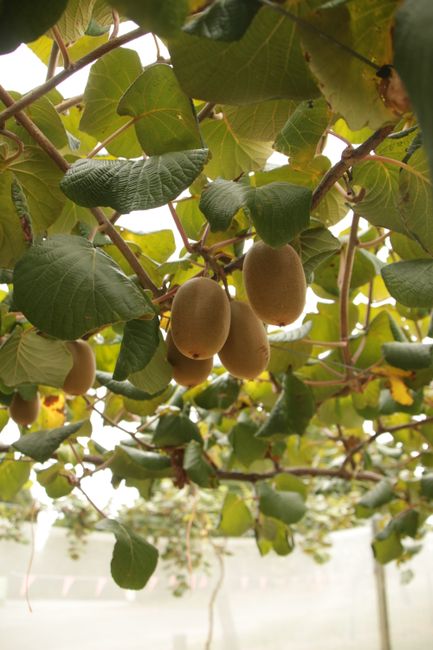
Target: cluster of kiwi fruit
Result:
[204, 322]
[78, 381]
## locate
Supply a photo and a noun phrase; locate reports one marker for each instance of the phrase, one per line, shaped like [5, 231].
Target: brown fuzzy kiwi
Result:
[246, 352]
[82, 374]
[200, 318]
[186, 371]
[23, 411]
[275, 283]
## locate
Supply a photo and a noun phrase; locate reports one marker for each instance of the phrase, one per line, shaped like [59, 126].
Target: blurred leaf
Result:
[21, 24]
[224, 20]
[387, 549]
[236, 518]
[378, 496]
[292, 412]
[288, 507]
[41, 445]
[164, 17]
[127, 462]
[246, 447]
[220, 394]
[197, 468]
[13, 475]
[175, 430]
[409, 356]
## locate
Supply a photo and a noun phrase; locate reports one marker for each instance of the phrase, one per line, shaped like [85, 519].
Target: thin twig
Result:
[342, 473]
[116, 25]
[10, 135]
[213, 598]
[45, 88]
[206, 111]
[374, 242]
[100, 512]
[68, 103]
[31, 558]
[347, 267]
[188, 534]
[112, 136]
[179, 227]
[62, 47]
[53, 61]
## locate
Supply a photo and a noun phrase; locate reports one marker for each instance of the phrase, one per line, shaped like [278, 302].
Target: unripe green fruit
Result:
[24, 411]
[200, 318]
[186, 371]
[246, 352]
[82, 374]
[275, 283]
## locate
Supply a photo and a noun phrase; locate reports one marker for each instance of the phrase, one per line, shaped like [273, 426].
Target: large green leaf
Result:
[288, 507]
[279, 211]
[410, 282]
[316, 245]
[128, 462]
[66, 287]
[27, 358]
[413, 44]
[124, 388]
[164, 17]
[139, 343]
[163, 114]
[224, 20]
[220, 394]
[265, 63]
[408, 356]
[127, 185]
[197, 467]
[156, 375]
[292, 411]
[349, 85]
[287, 352]
[109, 78]
[46, 118]
[41, 445]
[236, 517]
[13, 475]
[175, 430]
[134, 560]
[380, 204]
[54, 481]
[39, 177]
[21, 23]
[246, 447]
[75, 19]
[303, 130]
[416, 199]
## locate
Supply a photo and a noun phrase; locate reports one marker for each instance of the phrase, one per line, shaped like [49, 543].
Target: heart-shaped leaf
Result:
[67, 287]
[40, 445]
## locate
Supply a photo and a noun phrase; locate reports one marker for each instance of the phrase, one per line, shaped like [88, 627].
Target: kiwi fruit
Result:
[82, 374]
[246, 352]
[23, 411]
[275, 283]
[200, 318]
[186, 371]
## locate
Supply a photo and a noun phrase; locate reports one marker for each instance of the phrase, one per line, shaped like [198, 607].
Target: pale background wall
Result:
[267, 603]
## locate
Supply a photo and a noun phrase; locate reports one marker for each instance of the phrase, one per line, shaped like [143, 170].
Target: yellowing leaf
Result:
[390, 371]
[400, 391]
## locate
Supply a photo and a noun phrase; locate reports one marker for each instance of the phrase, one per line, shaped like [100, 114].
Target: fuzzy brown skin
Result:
[246, 352]
[24, 411]
[200, 318]
[187, 372]
[275, 283]
[82, 374]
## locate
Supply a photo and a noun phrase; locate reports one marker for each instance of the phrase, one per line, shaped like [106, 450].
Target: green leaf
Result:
[139, 343]
[158, 245]
[427, 486]
[416, 199]
[163, 17]
[13, 475]
[220, 394]
[288, 507]
[134, 560]
[379, 333]
[378, 496]
[316, 246]
[75, 19]
[349, 86]
[236, 518]
[387, 549]
[292, 411]
[246, 447]
[380, 204]
[410, 282]
[128, 462]
[21, 23]
[66, 287]
[46, 118]
[27, 358]
[156, 375]
[108, 80]
[197, 468]
[408, 356]
[224, 20]
[287, 351]
[175, 430]
[164, 116]
[56, 485]
[279, 211]
[291, 483]
[39, 177]
[405, 523]
[232, 154]
[414, 61]
[240, 72]
[303, 130]
[124, 388]
[41, 445]
[127, 185]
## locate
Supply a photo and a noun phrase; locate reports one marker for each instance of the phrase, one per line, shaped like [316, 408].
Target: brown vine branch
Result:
[68, 103]
[347, 268]
[102, 220]
[179, 227]
[62, 47]
[44, 88]
[52, 61]
[342, 473]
